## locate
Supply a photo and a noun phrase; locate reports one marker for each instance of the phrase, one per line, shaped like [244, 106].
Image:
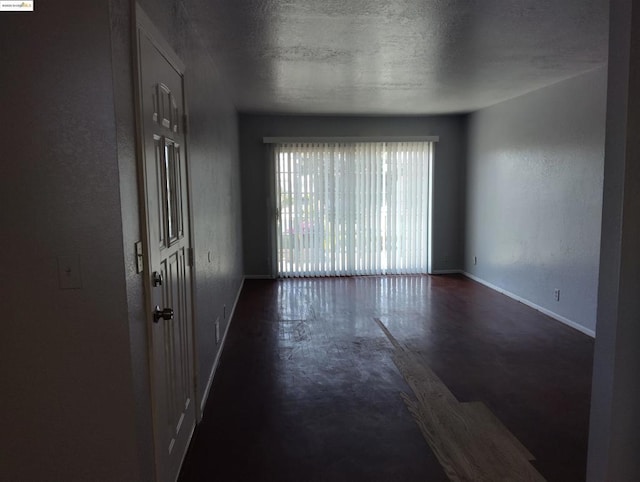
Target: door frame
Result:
[142, 25]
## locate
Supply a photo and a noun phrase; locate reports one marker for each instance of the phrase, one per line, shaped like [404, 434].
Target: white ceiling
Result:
[396, 56]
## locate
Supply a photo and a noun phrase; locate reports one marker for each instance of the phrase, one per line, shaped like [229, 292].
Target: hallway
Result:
[307, 388]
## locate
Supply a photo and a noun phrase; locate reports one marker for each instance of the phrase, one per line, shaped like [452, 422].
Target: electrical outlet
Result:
[475, 260]
[217, 325]
[556, 295]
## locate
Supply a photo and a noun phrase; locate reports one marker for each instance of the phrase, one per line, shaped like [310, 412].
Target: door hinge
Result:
[190, 259]
[184, 124]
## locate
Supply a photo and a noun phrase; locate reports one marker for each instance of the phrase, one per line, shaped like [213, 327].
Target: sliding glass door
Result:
[352, 208]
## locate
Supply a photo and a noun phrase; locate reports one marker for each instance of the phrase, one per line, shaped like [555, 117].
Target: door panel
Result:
[167, 219]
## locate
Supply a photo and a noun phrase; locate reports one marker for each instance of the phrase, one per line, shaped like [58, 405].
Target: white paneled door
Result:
[161, 101]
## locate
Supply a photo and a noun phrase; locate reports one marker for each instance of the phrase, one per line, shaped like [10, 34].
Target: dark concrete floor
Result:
[306, 389]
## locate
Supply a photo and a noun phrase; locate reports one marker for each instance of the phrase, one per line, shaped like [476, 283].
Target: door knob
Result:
[156, 278]
[165, 314]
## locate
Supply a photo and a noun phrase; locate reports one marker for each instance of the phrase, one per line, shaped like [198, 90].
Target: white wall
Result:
[534, 195]
[447, 242]
[75, 399]
[66, 402]
[614, 443]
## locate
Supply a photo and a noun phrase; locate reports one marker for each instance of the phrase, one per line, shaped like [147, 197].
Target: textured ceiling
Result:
[396, 56]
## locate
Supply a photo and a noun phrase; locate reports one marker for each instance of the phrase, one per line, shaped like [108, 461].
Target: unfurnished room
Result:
[268, 240]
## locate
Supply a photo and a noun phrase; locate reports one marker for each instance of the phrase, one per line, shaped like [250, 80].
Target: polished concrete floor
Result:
[307, 389]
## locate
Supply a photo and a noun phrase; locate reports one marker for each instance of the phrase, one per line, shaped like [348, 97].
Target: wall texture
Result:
[215, 192]
[67, 404]
[215, 179]
[74, 370]
[257, 210]
[615, 419]
[534, 195]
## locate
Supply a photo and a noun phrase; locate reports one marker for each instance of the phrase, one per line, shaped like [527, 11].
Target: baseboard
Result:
[259, 276]
[207, 390]
[555, 316]
[186, 449]
[447, 271]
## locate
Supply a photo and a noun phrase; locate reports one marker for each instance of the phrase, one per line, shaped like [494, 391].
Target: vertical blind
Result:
[355, 208]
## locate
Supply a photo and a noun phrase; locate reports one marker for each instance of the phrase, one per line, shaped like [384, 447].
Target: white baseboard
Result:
[447, 271]
[555, 316]
[259, 276]
[205, 396]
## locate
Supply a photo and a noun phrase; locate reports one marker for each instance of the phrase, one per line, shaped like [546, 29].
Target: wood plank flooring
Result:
[307, 388]
[470, 443]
